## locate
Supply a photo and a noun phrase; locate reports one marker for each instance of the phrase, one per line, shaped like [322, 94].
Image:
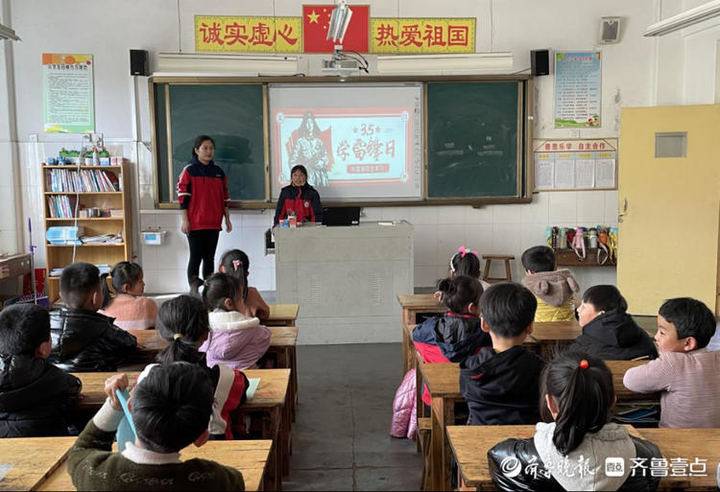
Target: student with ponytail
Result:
[236, 340]
[236, 263]
[576, 400]
[125, 302]
[183, 322]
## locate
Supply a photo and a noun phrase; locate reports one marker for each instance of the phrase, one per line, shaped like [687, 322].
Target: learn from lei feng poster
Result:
[577, 89]
[68, 105]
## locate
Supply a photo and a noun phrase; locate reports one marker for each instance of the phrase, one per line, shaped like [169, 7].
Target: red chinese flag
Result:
[316, 22]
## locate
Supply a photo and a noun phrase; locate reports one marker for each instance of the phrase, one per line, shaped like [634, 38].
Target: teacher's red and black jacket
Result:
[203, 191]
[305, 202]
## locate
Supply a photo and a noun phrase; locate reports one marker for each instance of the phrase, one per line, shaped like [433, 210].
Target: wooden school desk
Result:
[688, 444]
[249, 457]
[270, 400]
[471, 443]
[412, 304]
[283, 344]
[31, 460]
[282, 315]
[551, 335]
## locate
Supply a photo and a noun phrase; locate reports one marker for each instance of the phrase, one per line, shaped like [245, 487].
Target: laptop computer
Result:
[341, 216]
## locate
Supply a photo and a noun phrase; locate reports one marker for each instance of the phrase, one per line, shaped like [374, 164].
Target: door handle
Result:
[624, 211]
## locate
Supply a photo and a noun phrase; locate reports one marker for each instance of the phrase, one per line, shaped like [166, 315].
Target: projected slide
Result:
[350, 151]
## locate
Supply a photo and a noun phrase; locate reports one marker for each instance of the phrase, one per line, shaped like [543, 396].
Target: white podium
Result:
[345, 280]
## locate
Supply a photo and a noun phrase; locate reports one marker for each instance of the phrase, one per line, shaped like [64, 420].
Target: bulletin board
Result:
[575, 164]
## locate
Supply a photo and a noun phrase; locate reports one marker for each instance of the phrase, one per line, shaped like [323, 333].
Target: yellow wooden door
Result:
[669, 207]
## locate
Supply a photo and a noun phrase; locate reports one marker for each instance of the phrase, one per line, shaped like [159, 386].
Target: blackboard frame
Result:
[524, 154]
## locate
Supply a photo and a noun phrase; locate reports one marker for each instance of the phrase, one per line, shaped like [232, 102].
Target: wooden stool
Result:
[508, 272]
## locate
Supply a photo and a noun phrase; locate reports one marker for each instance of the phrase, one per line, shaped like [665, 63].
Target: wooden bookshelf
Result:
[59, 256]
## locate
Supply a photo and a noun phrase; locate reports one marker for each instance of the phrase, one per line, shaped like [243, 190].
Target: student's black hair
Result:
[584, 397]
[508, 308]
[23, 328]
[538, 259]
[691, 318]
[299, 167]
[183, 321]
[605, 298]
[171, 406]
[77, 282]
[218, 287]
[465, 264]
[199, 141]
[459, 292]
[236, 263]
[124, 272]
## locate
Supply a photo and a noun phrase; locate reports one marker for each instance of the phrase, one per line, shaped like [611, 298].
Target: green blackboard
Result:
[232, 115]
[473, 139]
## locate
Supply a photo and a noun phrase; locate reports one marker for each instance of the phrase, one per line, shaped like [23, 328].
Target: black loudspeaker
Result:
[540, 62]
[139, 63]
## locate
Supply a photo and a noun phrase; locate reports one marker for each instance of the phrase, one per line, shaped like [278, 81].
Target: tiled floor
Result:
[341, 437]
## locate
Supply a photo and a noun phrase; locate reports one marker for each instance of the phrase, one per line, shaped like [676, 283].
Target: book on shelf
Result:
[61, 206]
[102, 239]
[82, 181]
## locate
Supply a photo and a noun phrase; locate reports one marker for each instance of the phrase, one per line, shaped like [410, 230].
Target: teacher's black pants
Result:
[202, 249]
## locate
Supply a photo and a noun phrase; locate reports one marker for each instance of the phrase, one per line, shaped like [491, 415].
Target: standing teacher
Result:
[203, 195]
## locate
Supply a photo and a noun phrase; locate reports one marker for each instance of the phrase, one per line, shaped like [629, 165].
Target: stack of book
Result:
[69, 181]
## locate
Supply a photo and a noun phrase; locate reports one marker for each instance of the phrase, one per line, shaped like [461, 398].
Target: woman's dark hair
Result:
[605, 298]
[584, 397]
[237, 264]
[218, 287]
[199, 141]
[122, 273]
[172, 406]
[465, 264]
[299, 167]
[459, 292]
[184, 323]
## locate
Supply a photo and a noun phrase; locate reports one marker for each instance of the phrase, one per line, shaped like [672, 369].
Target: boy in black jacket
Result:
[34, 394]
[83, 340]
[501, 384]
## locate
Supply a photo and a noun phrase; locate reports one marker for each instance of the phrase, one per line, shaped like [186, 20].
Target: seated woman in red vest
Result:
[299, 197]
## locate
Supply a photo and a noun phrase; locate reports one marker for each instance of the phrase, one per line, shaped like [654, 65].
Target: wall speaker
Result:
[139, 63]
[610, 29]
[540, 62]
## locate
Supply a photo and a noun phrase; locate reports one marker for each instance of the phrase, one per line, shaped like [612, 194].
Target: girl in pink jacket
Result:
[235, 340]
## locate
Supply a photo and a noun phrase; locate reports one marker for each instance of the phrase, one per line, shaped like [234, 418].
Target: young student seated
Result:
[501, 383]
[35, 396]
[457, 334]
[126, 304]
[183, 322]
[577, 399]
[553, 288]
[236, 340]
[170, 409]
[84, 340]
[237, 264]
[685, 372]
[608, 332]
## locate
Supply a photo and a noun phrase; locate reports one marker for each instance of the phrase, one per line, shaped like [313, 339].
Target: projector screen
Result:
[359, 142]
